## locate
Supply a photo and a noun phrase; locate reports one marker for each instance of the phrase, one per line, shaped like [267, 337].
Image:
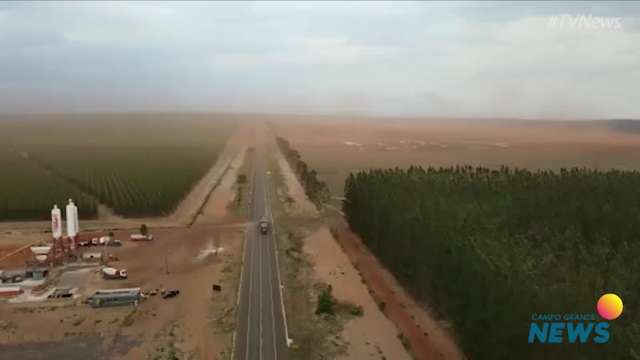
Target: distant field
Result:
[136, 164]
[27, 192]
[335, 147]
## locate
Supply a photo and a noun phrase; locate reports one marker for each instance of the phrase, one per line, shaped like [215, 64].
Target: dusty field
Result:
[335, 147]
[191, 269]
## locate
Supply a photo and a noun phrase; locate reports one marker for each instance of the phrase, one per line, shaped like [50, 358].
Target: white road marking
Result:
[260, 292]
[262, 250]
[268, 249]
[284, 313]
[252, 238]
[246, 355]
[273, 317]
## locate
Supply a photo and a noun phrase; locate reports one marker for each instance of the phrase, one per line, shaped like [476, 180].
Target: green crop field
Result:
[27, 192]
[136, 164]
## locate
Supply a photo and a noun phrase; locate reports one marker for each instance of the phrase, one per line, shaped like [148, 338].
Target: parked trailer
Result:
[140, 237]
[115, 297]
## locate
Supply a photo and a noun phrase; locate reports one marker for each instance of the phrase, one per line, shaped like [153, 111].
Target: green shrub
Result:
[326, 302]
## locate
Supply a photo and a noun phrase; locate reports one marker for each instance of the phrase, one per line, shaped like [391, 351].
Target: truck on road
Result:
[263, 225]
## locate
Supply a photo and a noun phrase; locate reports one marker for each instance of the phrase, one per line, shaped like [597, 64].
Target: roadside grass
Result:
[168, 344]
[222, 307]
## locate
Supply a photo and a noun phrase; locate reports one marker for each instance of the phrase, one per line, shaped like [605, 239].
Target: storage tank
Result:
[72, 220]
[56, 222]
[41, 252]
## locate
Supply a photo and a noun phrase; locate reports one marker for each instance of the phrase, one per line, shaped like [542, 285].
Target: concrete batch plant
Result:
[60, 245]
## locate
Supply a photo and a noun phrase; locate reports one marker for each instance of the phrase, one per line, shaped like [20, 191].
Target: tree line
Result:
[316, 190]
[487, 248]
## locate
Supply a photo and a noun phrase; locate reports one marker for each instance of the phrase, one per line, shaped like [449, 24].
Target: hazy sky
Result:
[356, 58]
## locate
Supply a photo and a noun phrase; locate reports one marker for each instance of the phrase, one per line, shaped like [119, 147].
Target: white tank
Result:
[56, 222]
[41, 252]
[72, 219]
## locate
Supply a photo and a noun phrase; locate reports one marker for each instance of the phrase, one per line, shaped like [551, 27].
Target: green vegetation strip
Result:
[316, 190]
[27, 192]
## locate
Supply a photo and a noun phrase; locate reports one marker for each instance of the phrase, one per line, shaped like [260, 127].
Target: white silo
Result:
[56, 222]
[72, 220]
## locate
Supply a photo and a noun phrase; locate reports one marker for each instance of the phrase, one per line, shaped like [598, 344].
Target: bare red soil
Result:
[428, 339]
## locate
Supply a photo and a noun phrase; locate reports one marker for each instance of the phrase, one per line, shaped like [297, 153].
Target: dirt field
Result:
[335, 147]
[192, 269]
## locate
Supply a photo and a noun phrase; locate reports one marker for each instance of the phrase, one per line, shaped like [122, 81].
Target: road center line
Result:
[250, 273]
[250, 243]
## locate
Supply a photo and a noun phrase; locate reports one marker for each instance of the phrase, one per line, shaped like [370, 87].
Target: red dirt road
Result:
[428, 339]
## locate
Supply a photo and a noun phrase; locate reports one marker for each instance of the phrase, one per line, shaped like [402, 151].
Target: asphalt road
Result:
[261, 330]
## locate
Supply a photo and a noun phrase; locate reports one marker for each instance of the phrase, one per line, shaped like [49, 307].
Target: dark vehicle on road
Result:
[263, 226]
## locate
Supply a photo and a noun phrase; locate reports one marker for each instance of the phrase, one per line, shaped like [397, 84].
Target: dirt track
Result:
[428, 337]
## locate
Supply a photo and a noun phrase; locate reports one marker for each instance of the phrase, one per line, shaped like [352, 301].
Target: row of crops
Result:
[132, 181]
[27, 191]
[136, 164]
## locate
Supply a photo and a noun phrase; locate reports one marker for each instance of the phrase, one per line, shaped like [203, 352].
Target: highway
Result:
[261, 329]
